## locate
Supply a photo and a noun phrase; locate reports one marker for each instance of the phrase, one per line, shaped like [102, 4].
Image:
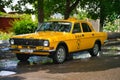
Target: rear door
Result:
[87, 38]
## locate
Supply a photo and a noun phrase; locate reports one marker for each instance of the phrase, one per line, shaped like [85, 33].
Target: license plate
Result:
[26, 50]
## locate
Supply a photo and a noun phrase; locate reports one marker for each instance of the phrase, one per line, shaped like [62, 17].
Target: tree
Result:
[64, 7]
[22, 6]
[3, 4]
[46, 7]
[70, 6]
[101, 9]
[40, 11]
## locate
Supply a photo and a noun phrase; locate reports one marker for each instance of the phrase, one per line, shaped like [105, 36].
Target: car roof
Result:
[70, 20]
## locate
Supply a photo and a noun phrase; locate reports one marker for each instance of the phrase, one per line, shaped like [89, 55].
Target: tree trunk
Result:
[102, 16]
[1, 8]
[69, 9]
[40, 11]
[101, 23]
[67, 14]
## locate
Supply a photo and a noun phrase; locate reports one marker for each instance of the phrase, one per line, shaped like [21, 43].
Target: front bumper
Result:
[34, 52]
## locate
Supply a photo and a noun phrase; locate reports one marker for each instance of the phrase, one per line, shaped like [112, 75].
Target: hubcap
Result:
[61, 55]
[96, 49]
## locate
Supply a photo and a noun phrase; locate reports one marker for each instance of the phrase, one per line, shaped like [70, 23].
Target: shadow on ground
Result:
[80, 65]
[12, 78]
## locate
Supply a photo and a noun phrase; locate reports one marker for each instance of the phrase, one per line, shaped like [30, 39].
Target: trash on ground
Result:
[5, 49]
[4, 41]
[39, 59]
[81, 55]
[8, 64]
[6, 73]
[1, 41]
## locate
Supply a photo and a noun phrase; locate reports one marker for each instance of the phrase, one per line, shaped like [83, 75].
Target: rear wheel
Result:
[95, 50]
[22, 57]
[60, 55]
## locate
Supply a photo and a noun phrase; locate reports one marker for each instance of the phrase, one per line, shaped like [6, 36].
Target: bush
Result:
[1, 13]
[110, 27]
[23, 26]
[5, 36]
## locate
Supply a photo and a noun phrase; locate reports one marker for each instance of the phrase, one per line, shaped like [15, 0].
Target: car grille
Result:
[32, 42]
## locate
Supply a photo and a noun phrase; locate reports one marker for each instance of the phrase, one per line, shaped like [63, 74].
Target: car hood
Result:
[43, 35]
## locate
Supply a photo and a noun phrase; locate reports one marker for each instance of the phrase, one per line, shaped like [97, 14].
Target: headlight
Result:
[11, 41]
[46, 43]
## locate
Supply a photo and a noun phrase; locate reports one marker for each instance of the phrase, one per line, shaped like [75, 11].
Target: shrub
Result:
[1, 13]
[5, 36]
[23, 26]
[110, 27]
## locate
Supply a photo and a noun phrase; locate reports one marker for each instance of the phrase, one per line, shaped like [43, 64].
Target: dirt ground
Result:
[104, 67]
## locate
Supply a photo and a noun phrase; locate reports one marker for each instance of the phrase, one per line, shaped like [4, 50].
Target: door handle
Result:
[82, 35]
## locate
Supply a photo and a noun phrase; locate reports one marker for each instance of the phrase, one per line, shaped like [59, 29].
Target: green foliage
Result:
[101, 9]
[110, 24]
[12, 15]
[110, 27]
[48, 7]
[82, 15]
[23, 26]
[1, 13]
[5, 36]
[97, 9]
[112, 17]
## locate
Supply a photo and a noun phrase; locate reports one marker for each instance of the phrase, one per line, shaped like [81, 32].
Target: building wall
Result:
[5, 23]
[95, 24]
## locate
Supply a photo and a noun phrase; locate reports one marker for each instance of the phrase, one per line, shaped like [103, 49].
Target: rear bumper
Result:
[35, 52]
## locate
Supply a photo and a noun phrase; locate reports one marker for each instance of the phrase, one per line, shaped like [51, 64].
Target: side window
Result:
[76, 28]
[86, 27]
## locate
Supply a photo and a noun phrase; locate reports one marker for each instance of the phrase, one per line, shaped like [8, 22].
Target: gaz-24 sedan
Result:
[58, 39]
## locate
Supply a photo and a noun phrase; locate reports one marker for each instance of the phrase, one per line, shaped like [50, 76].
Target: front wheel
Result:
[60, 55]
[95, 50]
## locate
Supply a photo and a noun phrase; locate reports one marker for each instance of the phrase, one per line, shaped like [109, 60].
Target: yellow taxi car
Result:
[58, 39]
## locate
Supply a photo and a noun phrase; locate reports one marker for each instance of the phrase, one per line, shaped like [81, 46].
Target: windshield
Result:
[55, 26]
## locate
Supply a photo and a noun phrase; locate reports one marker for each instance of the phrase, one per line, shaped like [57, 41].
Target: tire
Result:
[22, 57]
[60, 55]
[95, 50]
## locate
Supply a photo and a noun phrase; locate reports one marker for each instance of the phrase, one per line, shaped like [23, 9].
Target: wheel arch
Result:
[63, 44]
[56, 55]
[99, 43]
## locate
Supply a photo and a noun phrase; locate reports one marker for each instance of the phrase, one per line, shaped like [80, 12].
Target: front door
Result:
[77, 36]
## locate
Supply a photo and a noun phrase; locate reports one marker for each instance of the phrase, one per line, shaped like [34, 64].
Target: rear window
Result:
[86, 27]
